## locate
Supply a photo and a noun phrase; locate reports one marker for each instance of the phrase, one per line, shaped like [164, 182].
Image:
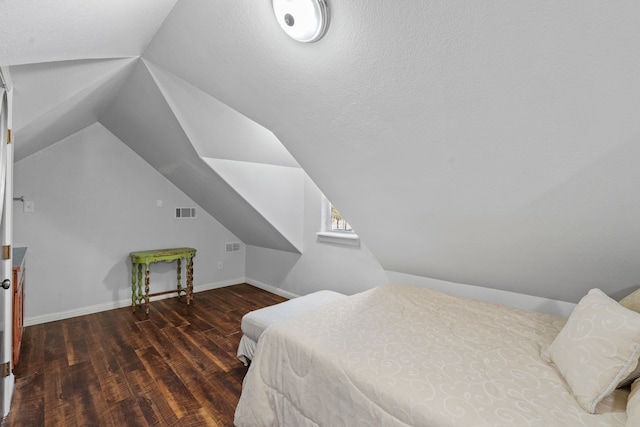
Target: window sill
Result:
[349, 239]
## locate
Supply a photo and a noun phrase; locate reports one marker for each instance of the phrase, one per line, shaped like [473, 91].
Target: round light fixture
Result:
[303, 20]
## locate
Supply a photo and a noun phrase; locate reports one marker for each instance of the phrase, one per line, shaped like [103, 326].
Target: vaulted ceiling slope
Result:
[491, 143]
[73, 64]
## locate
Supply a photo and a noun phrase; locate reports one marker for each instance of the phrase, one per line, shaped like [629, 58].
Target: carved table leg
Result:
[179, 276]
[189, 280]
[139, 293]
[146, 288]
[133, 285]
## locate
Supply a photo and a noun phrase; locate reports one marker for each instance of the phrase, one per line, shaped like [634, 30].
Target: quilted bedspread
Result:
[400, 355]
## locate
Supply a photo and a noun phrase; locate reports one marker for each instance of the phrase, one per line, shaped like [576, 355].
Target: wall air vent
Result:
[231, 247]
[185, 213]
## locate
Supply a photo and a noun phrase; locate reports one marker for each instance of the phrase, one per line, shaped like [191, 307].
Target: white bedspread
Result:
[406, 356]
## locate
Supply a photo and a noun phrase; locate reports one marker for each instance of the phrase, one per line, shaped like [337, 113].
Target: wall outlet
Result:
[29, 206]
[159, 203]
[219, 265]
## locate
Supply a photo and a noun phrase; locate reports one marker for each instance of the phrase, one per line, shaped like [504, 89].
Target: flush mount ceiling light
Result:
[303, 20]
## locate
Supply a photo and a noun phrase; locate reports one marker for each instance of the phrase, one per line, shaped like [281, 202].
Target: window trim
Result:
[326, 235]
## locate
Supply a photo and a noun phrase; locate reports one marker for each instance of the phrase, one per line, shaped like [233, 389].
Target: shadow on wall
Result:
[162, 277]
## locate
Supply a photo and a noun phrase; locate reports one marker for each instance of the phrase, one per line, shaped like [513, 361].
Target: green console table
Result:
[144, 258]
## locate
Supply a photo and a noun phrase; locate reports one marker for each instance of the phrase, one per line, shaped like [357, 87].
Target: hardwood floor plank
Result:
[117, 346]
[31, 359]
[103, 319]
[226, 322]
[156, 409]
[126, 326]
[173, 312]
[223, 301]
[169, 383]
[75, 328]
[60, 416]
[158, 340]
[29, 397]
[55, 352]
[128, 413]
[77, 351]
[89, 399]
[58, 387]
[205, 392]
[228, 343]
[201, 418]
[219, 355]
[140, 382]
[157, 317]
[153, 405]
[255, 298]
[59, 397]
[175, 367]
[192, 351]
[115, 388]
[103, 361]
[237, 375]
[199, 315]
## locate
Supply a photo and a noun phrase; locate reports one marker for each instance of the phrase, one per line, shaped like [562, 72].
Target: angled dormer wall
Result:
[58, 99]
[248, 157]
[148, 116]
[95, 201]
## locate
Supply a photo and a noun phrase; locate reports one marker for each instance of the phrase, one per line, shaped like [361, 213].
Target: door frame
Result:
[6, 234]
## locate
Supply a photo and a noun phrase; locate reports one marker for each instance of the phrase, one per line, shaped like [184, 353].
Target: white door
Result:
[6, 223]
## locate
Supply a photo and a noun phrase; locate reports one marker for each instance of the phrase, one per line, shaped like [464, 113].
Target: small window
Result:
[334, 228]
[337, 222]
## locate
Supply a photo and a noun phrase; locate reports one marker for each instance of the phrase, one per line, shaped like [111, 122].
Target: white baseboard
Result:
[67, 314]
[270, 288]
[526, 302]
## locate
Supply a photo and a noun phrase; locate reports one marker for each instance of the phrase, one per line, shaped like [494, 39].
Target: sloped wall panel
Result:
[141, 118]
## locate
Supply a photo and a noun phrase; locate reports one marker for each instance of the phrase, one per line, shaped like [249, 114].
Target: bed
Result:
[400, 355]
[255, 322]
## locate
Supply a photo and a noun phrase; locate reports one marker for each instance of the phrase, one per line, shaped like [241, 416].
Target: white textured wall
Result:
[349, 270]
[95, 201]
[512, 299]
[503, 136]
[345, 269]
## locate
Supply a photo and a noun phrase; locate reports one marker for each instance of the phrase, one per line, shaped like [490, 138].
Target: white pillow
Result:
[632, 301]
[633, 405]
[597, 348]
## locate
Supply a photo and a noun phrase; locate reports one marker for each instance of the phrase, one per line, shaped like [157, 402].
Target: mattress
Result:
[255, 322]
[400, 355]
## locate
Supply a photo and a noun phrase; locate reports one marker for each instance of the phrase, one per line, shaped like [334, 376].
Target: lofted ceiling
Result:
[491, 143]
[77, 63]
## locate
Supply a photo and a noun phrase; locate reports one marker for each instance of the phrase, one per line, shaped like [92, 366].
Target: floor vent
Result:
[185, 213]
[231, 248]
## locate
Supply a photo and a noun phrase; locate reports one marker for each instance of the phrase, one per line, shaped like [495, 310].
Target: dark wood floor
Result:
[176, 367]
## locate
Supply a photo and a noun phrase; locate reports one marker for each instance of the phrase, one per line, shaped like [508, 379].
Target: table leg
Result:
[189, 280]
[133, 285]
[146, 288]
[179, 276]
[139, 293]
